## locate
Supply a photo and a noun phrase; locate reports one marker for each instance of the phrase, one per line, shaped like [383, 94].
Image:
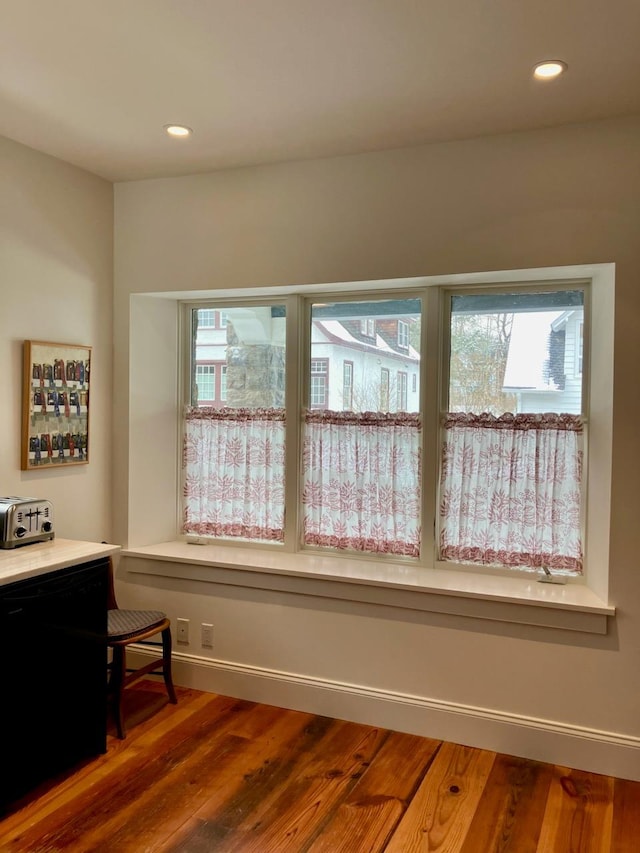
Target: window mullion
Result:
[430, 356]
[295, 349]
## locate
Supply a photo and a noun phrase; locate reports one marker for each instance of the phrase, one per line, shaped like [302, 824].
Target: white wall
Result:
[548, 198]
[56, 272]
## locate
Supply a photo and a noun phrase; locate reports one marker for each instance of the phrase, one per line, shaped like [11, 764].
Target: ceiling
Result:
[93, 82]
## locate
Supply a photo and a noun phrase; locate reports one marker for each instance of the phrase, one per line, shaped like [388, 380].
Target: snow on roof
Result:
[338, 331]
[335, 328]
[529, 351]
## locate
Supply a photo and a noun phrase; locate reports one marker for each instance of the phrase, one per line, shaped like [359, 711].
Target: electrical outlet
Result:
[183, 630]
[206, 635]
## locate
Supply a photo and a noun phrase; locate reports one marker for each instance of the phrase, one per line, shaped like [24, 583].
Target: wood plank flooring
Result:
[219, 775]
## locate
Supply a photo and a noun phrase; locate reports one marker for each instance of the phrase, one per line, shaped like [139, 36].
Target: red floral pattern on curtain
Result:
[510, 490]
[361, 481]
[233, 467]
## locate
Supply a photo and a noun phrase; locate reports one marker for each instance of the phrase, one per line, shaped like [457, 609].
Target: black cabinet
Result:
[53, 657]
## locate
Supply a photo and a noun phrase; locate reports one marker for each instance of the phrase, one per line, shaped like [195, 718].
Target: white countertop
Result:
[38, 558]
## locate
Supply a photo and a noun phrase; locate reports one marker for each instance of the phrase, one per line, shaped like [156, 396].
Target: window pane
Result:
[361, 443]
[249, 348]
[510, 491]
[516, 352]
[380, 341]
[510, 477]
[233, 458]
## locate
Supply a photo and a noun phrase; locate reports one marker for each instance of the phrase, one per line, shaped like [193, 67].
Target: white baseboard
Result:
[597, 751]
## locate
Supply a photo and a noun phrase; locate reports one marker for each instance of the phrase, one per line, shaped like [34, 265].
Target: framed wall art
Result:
[55, 405]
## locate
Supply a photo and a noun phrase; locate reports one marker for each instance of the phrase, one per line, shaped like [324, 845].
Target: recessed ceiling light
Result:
[549, 69]
[180, 131]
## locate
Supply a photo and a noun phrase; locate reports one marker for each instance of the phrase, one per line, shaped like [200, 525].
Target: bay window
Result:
[323, 443]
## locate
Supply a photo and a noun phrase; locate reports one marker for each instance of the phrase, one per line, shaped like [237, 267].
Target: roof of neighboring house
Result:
[338, 333]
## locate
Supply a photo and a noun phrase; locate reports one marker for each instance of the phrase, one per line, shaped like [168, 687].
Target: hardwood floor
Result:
[214, 774]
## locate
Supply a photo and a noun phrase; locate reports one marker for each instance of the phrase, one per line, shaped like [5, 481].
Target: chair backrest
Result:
[112, 604]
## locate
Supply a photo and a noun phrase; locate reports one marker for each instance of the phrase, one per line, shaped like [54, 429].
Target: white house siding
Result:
[569, 399]
[367, 367]
[572, 397]
[539, 402]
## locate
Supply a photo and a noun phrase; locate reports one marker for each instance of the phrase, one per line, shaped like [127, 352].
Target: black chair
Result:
[134, 626]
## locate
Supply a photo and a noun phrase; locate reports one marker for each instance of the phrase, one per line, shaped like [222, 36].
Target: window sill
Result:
[519, 600]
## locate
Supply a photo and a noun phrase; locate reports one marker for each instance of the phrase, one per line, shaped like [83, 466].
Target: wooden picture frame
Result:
[55, 405]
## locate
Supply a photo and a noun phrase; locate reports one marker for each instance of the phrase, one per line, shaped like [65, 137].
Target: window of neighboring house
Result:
[211, 382]
[402, 392]
[223, 383]
[208, 318]
[403, 335]
[384, 389]
[368, 327]
[492, 462]
[580, 349]
[319, 388]
[347, 385]
[205, 383]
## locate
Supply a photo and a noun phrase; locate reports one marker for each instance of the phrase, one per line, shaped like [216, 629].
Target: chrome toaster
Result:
[25, 520]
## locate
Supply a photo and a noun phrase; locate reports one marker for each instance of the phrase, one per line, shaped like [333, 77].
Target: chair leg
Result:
[166, 665]
[116, 687]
